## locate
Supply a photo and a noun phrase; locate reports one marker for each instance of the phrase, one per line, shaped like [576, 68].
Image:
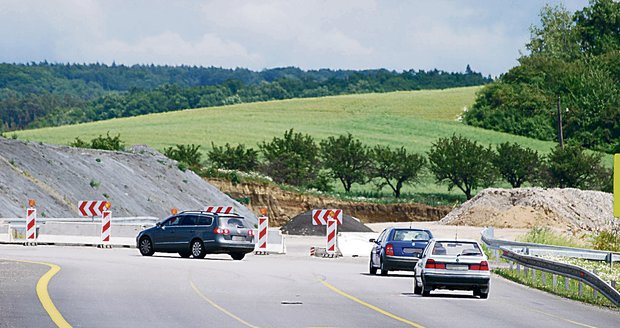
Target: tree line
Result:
[573, 58]
[38, 95]
[297, 159]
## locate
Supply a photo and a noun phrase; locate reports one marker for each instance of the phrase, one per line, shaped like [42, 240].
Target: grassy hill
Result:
[413, 119]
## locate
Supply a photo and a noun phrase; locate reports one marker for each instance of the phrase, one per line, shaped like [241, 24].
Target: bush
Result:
[607, 240]
[395, 167]
[546, 236]
[573, 167]
[516, 164]
[188, 154]
[234, 158]
[346, 158]
[101, 142]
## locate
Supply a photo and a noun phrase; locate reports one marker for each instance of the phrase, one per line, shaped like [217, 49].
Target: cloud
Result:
[172, 48]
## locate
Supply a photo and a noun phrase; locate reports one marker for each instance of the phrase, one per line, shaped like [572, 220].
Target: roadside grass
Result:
[545, 235]
[411, 119]
[535, 280]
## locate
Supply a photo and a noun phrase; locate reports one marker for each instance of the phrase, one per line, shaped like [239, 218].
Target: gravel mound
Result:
[302, 225]
[139, 182]
[570, 209]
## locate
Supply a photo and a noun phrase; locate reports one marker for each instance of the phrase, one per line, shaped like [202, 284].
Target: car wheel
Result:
[185, 254]
[237, 256]
[384, 272]
[484, 295]
[198, 249]
[371, 267]
[417, 289]
[477, 292]
[426, 291]
[146, 246]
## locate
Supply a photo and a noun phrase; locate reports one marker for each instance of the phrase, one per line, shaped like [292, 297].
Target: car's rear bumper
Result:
[405, 263]
[456, 281]
[230, 248]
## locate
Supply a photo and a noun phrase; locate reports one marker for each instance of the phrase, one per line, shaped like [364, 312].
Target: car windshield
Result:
[455, 248]
[232, 222]
[417, 235]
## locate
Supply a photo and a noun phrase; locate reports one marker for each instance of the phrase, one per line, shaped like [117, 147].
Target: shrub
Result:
[573, 167]
[607, 240]
[234, 158]
[292, 159]
[395, 167]
[104, 143]
[346, 158]
[187, 154]
[516, 164]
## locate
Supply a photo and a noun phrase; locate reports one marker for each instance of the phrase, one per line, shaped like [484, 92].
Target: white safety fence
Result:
[276, 243]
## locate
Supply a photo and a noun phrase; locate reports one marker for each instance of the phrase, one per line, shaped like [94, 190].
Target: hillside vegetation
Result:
[412, 119]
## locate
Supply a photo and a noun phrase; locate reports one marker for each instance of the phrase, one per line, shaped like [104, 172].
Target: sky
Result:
[489, 35]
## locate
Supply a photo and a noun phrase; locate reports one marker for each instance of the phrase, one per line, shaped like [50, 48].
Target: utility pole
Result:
[560, 133]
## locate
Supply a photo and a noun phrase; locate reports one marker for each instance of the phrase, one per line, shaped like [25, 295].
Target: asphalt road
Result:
[120, 288]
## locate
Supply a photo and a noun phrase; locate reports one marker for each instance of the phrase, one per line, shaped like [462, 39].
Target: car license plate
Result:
[459, 267]
[411, 251]
[238, 238]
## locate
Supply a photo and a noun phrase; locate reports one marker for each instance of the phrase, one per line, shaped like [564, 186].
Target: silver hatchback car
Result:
[454, 265]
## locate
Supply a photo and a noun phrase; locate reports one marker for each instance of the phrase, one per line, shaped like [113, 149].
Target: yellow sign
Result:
[617, 185]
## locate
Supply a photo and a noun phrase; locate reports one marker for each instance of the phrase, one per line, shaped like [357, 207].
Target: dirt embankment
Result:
[283, 205]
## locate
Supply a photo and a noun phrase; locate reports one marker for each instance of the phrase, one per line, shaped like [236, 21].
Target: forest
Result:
[50, 94]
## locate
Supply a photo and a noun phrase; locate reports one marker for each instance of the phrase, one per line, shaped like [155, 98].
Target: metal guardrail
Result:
[525, 254]
[540, 249]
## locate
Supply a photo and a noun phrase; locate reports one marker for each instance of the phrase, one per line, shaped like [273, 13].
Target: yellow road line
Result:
[564, 319]
[230, 314]
[370, 306]
[44, 296]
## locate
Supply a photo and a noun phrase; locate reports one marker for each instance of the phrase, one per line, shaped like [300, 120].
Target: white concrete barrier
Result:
[276, 243]
[356, 243]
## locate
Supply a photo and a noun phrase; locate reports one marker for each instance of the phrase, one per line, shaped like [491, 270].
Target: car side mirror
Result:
[372, 240]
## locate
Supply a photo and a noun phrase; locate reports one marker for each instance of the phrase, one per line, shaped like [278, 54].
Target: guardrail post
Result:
[511, 267]
[566, 281]
[580, 288]
[554, 279]
[525, 271]
[534, 276]
[613, 284]
[543, 277]
[518, 268]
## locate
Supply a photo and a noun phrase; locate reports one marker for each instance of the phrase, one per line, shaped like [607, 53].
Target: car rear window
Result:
[404, 235]
[204, 220]
[233, 222]
[456, 248]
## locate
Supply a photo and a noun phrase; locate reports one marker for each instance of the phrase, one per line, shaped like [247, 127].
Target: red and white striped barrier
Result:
[31, 224]
[263, 228]
[106, 227]
[320, 217]
[332, 236]
[219, 209]
[312, 251]
[92, 207]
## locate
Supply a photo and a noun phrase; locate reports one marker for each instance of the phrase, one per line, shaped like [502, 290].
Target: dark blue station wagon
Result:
[197, 233]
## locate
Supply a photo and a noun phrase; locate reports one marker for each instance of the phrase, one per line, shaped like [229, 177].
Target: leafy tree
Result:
[556, 37]
[462, 163]
[516, 164]
[346, 158]
[573, 167]
[234, 158]
[395, 167]
[598, 27]
[187, 154]
[292, 159]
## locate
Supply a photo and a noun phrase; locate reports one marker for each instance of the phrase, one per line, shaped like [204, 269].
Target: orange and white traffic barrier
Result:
[332, 236]
[219, 209]
[263, 228]
[31, 225]
[312, 251]
[106, 227]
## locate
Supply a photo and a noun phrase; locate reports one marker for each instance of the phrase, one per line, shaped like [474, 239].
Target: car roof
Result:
[446, 240]
[408, 228]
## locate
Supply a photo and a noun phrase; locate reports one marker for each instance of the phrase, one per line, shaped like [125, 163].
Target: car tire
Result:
[371, 268]
[185, 254]
[384, 272]
[416, 288]
[484, 296]
[426, 291]
[146, 246]
[477, 292]
[237, 256]
[198, 249]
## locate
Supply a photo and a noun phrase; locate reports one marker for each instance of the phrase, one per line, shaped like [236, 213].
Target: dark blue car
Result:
[398, 249]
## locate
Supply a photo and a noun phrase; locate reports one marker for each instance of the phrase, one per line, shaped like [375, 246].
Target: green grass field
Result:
[413, 119]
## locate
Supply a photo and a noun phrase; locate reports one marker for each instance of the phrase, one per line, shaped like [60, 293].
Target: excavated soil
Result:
[302, 225]
[283, 205]
[567, 209]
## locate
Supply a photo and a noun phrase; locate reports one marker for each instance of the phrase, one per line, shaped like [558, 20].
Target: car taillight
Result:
[431, 264]
[389, 250]
[221, 231]
[251, 233]
[483, 266]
